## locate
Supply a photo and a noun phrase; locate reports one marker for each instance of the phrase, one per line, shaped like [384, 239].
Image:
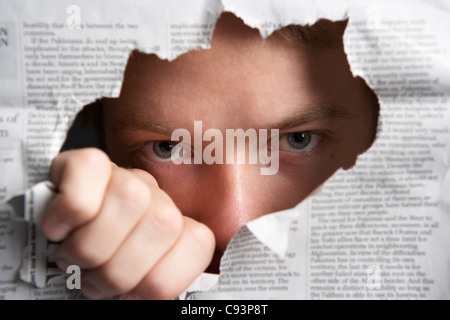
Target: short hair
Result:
[329, 34]
[322, 34]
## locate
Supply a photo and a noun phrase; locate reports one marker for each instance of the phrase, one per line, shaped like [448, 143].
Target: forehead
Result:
[239, 82]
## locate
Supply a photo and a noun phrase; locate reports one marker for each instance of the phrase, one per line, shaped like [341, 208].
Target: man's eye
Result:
[159, 151]
[298, 141]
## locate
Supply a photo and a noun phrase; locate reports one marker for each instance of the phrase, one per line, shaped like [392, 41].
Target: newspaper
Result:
[377, 231]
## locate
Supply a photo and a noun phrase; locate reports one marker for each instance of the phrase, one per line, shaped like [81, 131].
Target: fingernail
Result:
[91, 291]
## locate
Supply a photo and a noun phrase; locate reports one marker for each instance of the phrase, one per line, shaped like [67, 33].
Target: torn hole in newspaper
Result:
[389, 212]
[89, 130]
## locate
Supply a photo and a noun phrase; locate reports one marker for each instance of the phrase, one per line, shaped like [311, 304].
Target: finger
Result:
[180, 266]
[127, 199]
[81, 177]
[148, 242]
[144, 175]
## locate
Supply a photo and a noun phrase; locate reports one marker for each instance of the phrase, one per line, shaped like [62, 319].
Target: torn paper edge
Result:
[270, 13]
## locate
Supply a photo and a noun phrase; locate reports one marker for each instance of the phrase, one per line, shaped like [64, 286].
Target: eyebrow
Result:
[309, 114]
[142, 123]
[314, 113]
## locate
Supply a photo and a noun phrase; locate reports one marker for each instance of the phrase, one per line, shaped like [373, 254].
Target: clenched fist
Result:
[122, 230]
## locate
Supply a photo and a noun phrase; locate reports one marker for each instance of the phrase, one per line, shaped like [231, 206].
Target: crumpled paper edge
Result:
[267, 11]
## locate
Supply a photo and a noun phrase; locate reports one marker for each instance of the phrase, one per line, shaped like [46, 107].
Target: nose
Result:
[228, 196]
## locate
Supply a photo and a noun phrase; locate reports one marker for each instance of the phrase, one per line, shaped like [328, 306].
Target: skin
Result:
[143, 222]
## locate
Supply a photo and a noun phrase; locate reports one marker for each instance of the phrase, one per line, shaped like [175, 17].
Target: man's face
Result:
[323, 115]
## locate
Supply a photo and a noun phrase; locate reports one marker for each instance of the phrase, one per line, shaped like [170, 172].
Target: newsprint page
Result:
[377, 231]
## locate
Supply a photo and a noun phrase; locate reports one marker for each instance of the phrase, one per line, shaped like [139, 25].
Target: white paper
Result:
[377, 231]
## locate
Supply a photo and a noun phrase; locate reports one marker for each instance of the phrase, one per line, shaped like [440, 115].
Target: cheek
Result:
[298, 181]
[190, 190]
[178, 181]
[296, 185]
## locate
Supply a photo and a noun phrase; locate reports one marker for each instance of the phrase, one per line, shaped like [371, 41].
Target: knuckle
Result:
[88, 256]
[168, 221]
[202, 237]
[144, 175]
[133, 192]
[78, 201]
[91, 156]
[157, 289]
[113, 280]
[74, 160]
[76, 210]
[83, 158]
